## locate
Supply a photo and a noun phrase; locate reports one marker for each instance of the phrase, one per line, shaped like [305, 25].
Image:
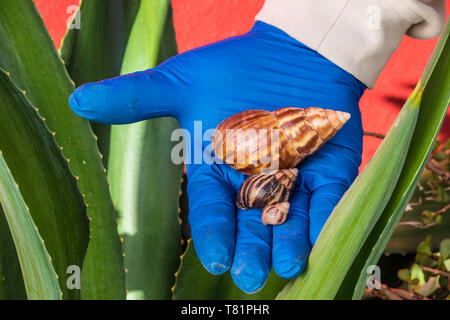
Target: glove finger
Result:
[212, 218]
[129, 98]
[252, 256]
[291, 245]
[323, 201]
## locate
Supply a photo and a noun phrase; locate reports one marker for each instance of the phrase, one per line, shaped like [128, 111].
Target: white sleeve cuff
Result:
[357, 35]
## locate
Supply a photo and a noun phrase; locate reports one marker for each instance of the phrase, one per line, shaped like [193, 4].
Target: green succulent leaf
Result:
[428, 217]
[426, 260]
[447, 264]
[404, 275]
[145, 184]
[195, 283]
[11, 280]
[417, 275]
[47, 184]
[27, 52]
[39, 276]
[425, 246]
[95, 51]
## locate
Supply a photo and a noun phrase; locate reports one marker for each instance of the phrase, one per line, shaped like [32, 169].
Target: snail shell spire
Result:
[308, 129]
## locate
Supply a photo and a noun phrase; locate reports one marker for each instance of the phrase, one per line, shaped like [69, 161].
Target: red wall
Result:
[198, 22]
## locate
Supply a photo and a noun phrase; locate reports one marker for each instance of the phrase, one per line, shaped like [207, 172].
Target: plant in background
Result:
[433, 193]
[144, 182]
[429, 275]
[57, 197]
[425, 215]
[427, 212]
[427, 278]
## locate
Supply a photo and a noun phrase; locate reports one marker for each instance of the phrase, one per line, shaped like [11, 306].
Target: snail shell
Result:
[275, 214]
[254, 140]
[262, 190]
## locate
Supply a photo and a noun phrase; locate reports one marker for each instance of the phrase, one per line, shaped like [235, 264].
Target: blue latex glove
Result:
[263, 69]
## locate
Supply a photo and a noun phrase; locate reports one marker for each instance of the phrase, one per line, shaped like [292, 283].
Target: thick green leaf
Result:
[354, 217]
[145, 184]
[11, 280]
[195, 283]
[47, 185]
[29, 54]
[435, 83]
[95, 51]
[39, 276]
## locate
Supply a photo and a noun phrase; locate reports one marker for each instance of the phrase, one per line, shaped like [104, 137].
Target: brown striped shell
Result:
[262, 190]
[255, 140]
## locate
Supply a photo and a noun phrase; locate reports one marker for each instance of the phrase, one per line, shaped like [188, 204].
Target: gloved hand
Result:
[263, 69]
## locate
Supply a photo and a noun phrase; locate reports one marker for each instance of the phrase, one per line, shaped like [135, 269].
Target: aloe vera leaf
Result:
[145, 184]
[195, 283]
[39, 276]
[11, 280]
[28, 53]
[355, 215]
[95, 51]
[435, 83]
[47, 185]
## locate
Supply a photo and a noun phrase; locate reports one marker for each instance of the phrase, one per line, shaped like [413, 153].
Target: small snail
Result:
[268, 189]
[268, 146]
[275, 214]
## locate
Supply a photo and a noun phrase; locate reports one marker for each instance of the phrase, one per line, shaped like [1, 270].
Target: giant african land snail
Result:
[268, 146]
